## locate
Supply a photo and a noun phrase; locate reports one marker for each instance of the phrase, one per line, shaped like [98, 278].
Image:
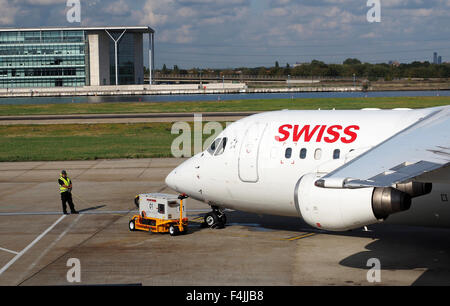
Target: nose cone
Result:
[173, 180]
[181, 178]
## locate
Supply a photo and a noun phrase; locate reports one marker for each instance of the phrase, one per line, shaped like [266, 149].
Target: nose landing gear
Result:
[216, 218]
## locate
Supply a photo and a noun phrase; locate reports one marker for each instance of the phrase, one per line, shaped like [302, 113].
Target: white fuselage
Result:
[266, 155]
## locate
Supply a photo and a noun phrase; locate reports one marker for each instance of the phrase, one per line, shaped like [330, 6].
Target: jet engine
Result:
[345, 209]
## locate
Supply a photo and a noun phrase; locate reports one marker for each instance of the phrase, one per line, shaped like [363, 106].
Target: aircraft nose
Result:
[186, 177]
[172, 180]
[180, 179]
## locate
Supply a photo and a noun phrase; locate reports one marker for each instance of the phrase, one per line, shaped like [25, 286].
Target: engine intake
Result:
[388, 201]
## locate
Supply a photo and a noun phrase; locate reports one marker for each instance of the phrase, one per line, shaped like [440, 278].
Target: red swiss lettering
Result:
[322, 129]
[329, 134]
[304, 130]
[348, 131]
[282, 130]
[331, 131]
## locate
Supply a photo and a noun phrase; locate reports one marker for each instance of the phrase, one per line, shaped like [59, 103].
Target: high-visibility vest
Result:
[66, 182]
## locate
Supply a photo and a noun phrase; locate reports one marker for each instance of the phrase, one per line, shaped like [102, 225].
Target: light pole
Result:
[116, 44]
[151, 55]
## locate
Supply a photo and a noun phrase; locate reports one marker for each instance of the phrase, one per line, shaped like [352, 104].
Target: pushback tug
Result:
[160, 213]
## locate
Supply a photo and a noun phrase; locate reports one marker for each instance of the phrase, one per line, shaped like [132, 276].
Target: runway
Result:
[36, 241]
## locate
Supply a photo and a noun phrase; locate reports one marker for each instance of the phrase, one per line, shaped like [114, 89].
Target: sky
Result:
[252, 33]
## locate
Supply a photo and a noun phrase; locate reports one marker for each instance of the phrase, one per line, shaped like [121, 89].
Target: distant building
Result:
[394, 63]
[439, 61]
[435, 58]
[298, 64]
[73, 56]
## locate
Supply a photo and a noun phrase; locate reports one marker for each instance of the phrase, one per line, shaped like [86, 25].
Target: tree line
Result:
[351, 67]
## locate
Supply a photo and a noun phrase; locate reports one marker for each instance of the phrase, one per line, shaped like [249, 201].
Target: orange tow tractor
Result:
[160, 213]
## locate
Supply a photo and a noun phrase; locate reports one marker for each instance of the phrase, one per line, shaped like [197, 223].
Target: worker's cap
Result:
[63, 172]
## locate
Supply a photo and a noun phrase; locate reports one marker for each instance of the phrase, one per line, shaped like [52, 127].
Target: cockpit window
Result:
[212, 148]
[222, 146]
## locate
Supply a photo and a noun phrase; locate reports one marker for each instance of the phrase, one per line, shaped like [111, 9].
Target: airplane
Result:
[337, 170]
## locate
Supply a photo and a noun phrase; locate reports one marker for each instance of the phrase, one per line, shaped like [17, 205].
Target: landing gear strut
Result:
[216, 218]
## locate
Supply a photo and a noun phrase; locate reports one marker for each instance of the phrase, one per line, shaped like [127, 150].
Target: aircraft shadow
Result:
[267, 222]
[397, 247]
[408, 248]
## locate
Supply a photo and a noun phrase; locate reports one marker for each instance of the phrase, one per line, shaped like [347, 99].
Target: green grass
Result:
[222, 106]
[84, 142]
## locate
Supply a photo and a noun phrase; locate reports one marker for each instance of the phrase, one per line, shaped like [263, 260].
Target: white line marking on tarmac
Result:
[9, 251]
[38, 213]
[12, 261]
[53, 243]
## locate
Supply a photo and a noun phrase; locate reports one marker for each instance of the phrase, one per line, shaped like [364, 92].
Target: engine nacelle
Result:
[415, 189]
[345, 209]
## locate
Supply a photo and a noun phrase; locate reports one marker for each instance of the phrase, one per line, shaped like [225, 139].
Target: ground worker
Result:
[65, 187]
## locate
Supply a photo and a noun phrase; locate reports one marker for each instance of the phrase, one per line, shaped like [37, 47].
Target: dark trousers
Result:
[66, 197]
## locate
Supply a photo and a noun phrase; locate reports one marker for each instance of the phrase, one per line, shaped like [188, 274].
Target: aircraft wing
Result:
[420, 152]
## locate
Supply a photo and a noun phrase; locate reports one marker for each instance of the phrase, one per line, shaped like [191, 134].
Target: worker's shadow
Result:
[408, 248]
[91, 208]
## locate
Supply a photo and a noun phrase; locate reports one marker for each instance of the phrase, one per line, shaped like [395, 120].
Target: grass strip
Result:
[85, 142]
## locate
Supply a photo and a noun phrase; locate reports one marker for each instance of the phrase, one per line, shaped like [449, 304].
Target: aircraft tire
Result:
[223, 219]
[212, 220]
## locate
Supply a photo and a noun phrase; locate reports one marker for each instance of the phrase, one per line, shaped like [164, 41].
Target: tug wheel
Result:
[173, 230]
[132, 225]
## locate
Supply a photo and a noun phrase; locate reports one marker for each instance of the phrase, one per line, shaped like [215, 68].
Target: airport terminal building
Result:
[73, 57]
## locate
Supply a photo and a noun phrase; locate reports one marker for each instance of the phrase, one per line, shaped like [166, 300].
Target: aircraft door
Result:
[249, 153]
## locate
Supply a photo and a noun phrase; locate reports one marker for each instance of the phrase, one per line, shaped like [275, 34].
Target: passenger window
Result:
[318, 154]
[288, 153]
[336, 154]
[221, 147]
[303, 153]
[212, 148]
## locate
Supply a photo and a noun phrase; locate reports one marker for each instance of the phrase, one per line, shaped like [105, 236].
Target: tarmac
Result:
[37, 241]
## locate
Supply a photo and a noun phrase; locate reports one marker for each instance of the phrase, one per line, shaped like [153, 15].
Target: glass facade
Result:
[126, 59]
[47, 58]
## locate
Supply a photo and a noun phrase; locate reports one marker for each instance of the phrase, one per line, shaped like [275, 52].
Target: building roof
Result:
[139, 29]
